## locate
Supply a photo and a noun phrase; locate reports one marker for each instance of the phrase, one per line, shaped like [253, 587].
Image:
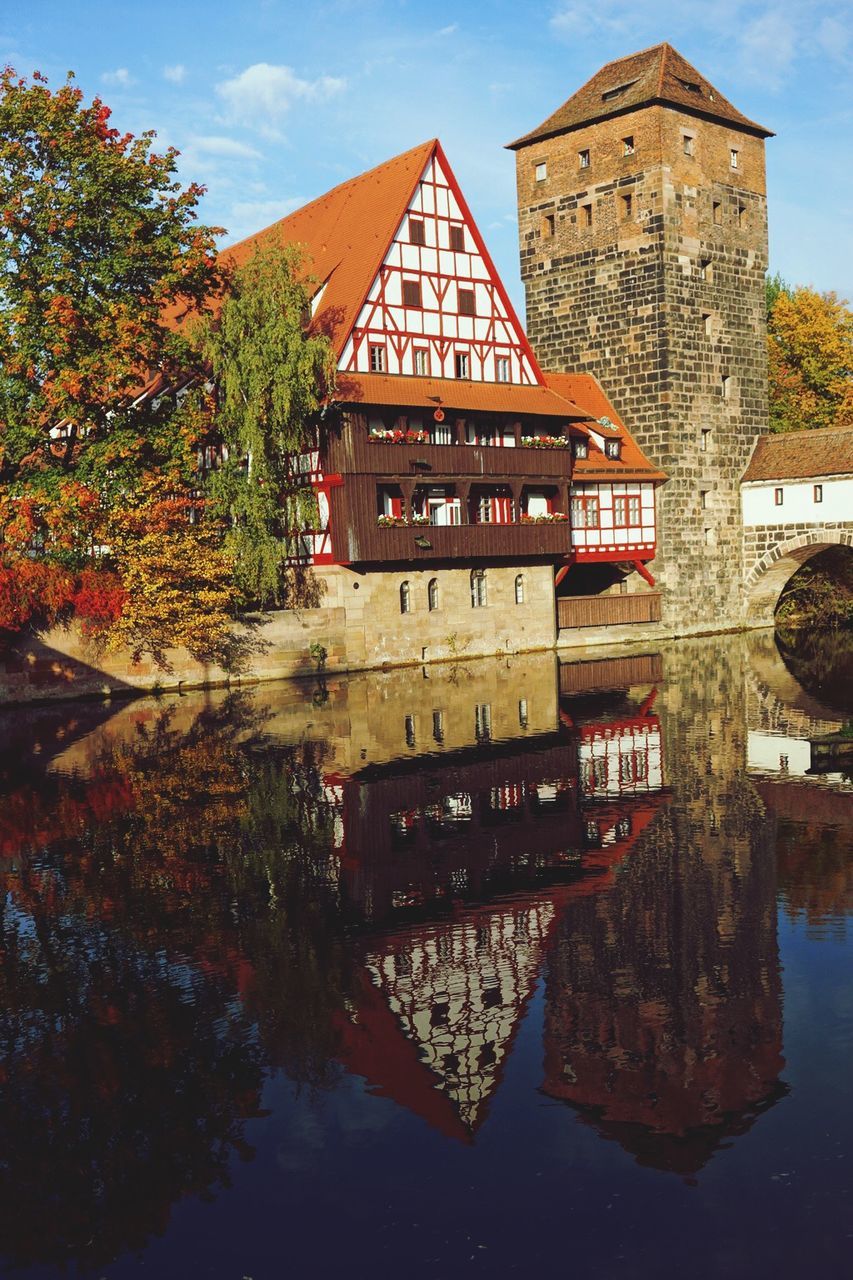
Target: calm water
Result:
[455, 972]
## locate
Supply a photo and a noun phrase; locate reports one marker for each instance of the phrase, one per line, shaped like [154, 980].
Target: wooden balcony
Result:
[363, 541]
[608, 611]
[353, 452]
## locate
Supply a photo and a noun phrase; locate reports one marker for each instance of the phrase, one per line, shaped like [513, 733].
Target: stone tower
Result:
[643, 236]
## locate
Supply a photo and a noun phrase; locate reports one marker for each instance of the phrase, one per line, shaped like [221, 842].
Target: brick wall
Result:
[625, 299]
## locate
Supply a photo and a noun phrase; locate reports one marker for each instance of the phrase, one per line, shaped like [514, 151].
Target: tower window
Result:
[583, 159]
[778, 497]
[734, 157]
[377, 359]
[688, 140]
[405, 597]
[707, 324]
[627, 207]
[457, 237]
[416, 231]
[725, 386]
[818, 493]
[741, 215]
[548, 224]
[541, 171]
[703, 499]
[705, 439]
[710, 538]
[716, 211]
[462, 364]
[706, 269]
[628, 146]
[465, 300]
[586, 214]
[412, 293]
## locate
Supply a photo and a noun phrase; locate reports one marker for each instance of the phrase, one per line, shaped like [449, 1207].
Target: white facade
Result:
[813, 501]
[613, 518]
[438, 338]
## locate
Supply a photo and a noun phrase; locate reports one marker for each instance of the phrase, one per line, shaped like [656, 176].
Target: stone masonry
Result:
[643, 254]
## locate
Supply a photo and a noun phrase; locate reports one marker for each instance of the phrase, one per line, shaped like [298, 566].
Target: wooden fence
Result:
[607, 611]
[611, 673]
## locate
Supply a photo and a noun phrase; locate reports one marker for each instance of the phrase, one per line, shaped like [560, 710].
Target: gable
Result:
[436, 306]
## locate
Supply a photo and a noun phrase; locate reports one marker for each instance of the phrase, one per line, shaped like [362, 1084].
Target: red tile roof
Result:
[656, 75]
[799, 455]
[586, 393]
[455, 395]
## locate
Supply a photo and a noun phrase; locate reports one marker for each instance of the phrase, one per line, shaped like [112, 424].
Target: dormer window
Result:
[616, 91]
[690, 86]
[612, 448]
[580, 449]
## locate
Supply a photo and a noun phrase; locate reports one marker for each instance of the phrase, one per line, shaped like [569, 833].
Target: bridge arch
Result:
[770, 574]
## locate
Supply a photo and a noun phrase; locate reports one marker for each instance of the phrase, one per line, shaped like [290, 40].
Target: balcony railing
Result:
[363, 541]
[354, 452]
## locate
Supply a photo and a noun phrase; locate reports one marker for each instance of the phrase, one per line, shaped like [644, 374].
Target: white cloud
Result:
[768, 47]
[120, 78]
[245, 217]
[448, 31]
[177, 73]
[262, 94]
[214, 145]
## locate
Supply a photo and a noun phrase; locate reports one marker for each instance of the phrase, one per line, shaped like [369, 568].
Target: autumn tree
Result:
[101, 252]
[272, 373]
[810, 356]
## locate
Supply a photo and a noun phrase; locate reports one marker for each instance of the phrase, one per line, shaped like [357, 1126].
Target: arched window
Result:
[478, 588]
[405, 598]
[519, 588]
[432, 594]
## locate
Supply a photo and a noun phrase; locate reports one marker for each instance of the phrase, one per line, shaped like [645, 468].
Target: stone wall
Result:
[774, 552]
[360, 625]
[660, 302]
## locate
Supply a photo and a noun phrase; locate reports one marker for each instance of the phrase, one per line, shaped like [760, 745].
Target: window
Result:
[627, 207]
[586, 215]
[421, 355]
[706, 269]
[438, 726]
[457, 237]
[523, 718]
[410, 731]
[483, 721]
[705, 439]
[585, 513]
[707, 324]
[583, 159]
[432, 595]
[462, 364]
[465, 302]
[687, 140]
[540, 171]
[502, 367]
[580, 449]
[548, 225]
[478, 588]
[609, 94]
[626, 510]
[778, 497]
[817, 493]
[703, 499]
[612, 448]
[377, 359]
[628, 146]
[710, 538]
[519, 588]
[416, 231]
[741, 215]
[412, 293]
[405, 597]
[734, 157]
[725, 386]
[716, 211]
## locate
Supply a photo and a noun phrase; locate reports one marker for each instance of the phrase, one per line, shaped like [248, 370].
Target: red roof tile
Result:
[586, 393]
[453, 395]
[799, 455]
[656, 75]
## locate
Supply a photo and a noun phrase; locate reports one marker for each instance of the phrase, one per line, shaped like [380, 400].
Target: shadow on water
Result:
[411, 883]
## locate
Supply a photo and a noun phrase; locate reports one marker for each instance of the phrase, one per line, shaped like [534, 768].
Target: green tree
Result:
[272, 374]
[810, 358]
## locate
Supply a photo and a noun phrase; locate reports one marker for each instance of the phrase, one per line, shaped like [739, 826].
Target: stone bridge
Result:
[796, 500]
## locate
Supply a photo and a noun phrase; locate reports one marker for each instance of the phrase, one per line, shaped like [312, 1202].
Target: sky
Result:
[272, 102]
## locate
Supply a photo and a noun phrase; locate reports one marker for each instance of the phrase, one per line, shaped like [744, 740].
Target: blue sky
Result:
[271, 102]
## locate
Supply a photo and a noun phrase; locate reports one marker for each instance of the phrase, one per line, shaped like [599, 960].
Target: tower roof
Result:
[654, 76]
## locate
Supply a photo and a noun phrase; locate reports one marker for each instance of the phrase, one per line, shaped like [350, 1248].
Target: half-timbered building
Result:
[459, 486]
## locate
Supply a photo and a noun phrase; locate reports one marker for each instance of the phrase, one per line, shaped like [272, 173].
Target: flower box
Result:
[545, 442]
[391, 522]
[548, 517]
[383, 436]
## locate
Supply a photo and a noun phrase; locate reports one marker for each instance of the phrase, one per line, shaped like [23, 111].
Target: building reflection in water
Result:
[201, 891]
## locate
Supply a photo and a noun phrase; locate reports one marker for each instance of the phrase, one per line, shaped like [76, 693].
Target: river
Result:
[466, 970]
